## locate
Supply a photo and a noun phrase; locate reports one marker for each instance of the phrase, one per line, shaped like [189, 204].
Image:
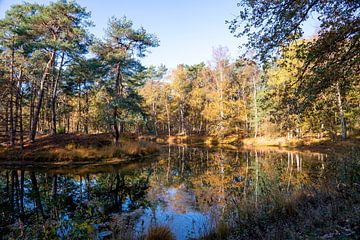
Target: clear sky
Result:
[188, 29]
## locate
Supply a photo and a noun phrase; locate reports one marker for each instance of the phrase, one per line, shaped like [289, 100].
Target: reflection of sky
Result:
[177, 212]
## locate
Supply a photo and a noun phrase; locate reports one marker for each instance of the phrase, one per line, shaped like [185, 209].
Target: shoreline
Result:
[78, 149]
[281, 143]
[82, 150]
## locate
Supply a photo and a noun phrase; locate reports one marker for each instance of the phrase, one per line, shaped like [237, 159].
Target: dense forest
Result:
[58, 78]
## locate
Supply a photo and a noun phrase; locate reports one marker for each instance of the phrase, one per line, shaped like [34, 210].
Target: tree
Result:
[15, 43]
[80, 79]
[59, 27]
[181, 86]
[331, 59]
[151, 92]
[119, 51]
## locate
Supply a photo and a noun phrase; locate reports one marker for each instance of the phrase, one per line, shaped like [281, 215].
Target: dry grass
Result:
[222, 231]
[123, 149]
[79, 148]
[327, 208]
[159, 233]
[265, 141]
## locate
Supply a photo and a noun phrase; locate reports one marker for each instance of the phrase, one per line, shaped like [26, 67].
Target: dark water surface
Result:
[185, 188]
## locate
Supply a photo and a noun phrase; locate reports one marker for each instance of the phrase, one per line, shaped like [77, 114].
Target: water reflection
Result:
[186, 188]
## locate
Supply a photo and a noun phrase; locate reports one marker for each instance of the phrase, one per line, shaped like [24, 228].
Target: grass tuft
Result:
[159, 232]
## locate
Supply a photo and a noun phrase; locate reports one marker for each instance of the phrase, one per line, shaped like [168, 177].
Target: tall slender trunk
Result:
[341, 112]
[168, 119]
[7, 119]
[255, 107]
[41, 95]
[68, 122]
[32, 104]
[222, 115]
[18, 107]
[21, 127]
[86, 119]
[12, 87]
[155, 118]
[182, 119]
[118, 80]
[79, 109]
[54, 92]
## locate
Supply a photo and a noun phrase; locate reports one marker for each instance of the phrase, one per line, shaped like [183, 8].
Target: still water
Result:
[186, 188]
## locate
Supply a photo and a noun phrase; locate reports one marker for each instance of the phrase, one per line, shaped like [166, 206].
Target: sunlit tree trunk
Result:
[86, 119]
[54, 94]
[168, 119]
[155, 118]
[12, 87]
[182, 119]
[41, 95]
[32, 104]
[21, 127]
[341, 112]
[255, 107]
[78, 122]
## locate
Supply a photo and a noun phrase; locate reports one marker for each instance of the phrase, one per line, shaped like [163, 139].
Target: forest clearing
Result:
[117, 130]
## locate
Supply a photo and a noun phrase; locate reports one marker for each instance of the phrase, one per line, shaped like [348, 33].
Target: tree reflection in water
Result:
[187, 188]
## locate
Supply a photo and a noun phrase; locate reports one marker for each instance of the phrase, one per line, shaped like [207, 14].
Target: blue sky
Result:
[188, 29]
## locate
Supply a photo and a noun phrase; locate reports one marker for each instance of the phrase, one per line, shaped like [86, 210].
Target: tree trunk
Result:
[32, 104]
[155, 118]
[21, 122]
[182, 119]
[115, 111]
[12, 86]
[168, 119]
[7, 119]
[79, 109]
[341, 112]
[41, 95]
[19, 109]
[255, 108]
[53, 96]
[86, 119]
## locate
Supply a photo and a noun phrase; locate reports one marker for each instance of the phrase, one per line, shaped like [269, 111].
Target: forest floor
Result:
[80, 148]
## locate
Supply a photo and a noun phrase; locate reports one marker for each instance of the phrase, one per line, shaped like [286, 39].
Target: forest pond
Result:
[185, 188]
